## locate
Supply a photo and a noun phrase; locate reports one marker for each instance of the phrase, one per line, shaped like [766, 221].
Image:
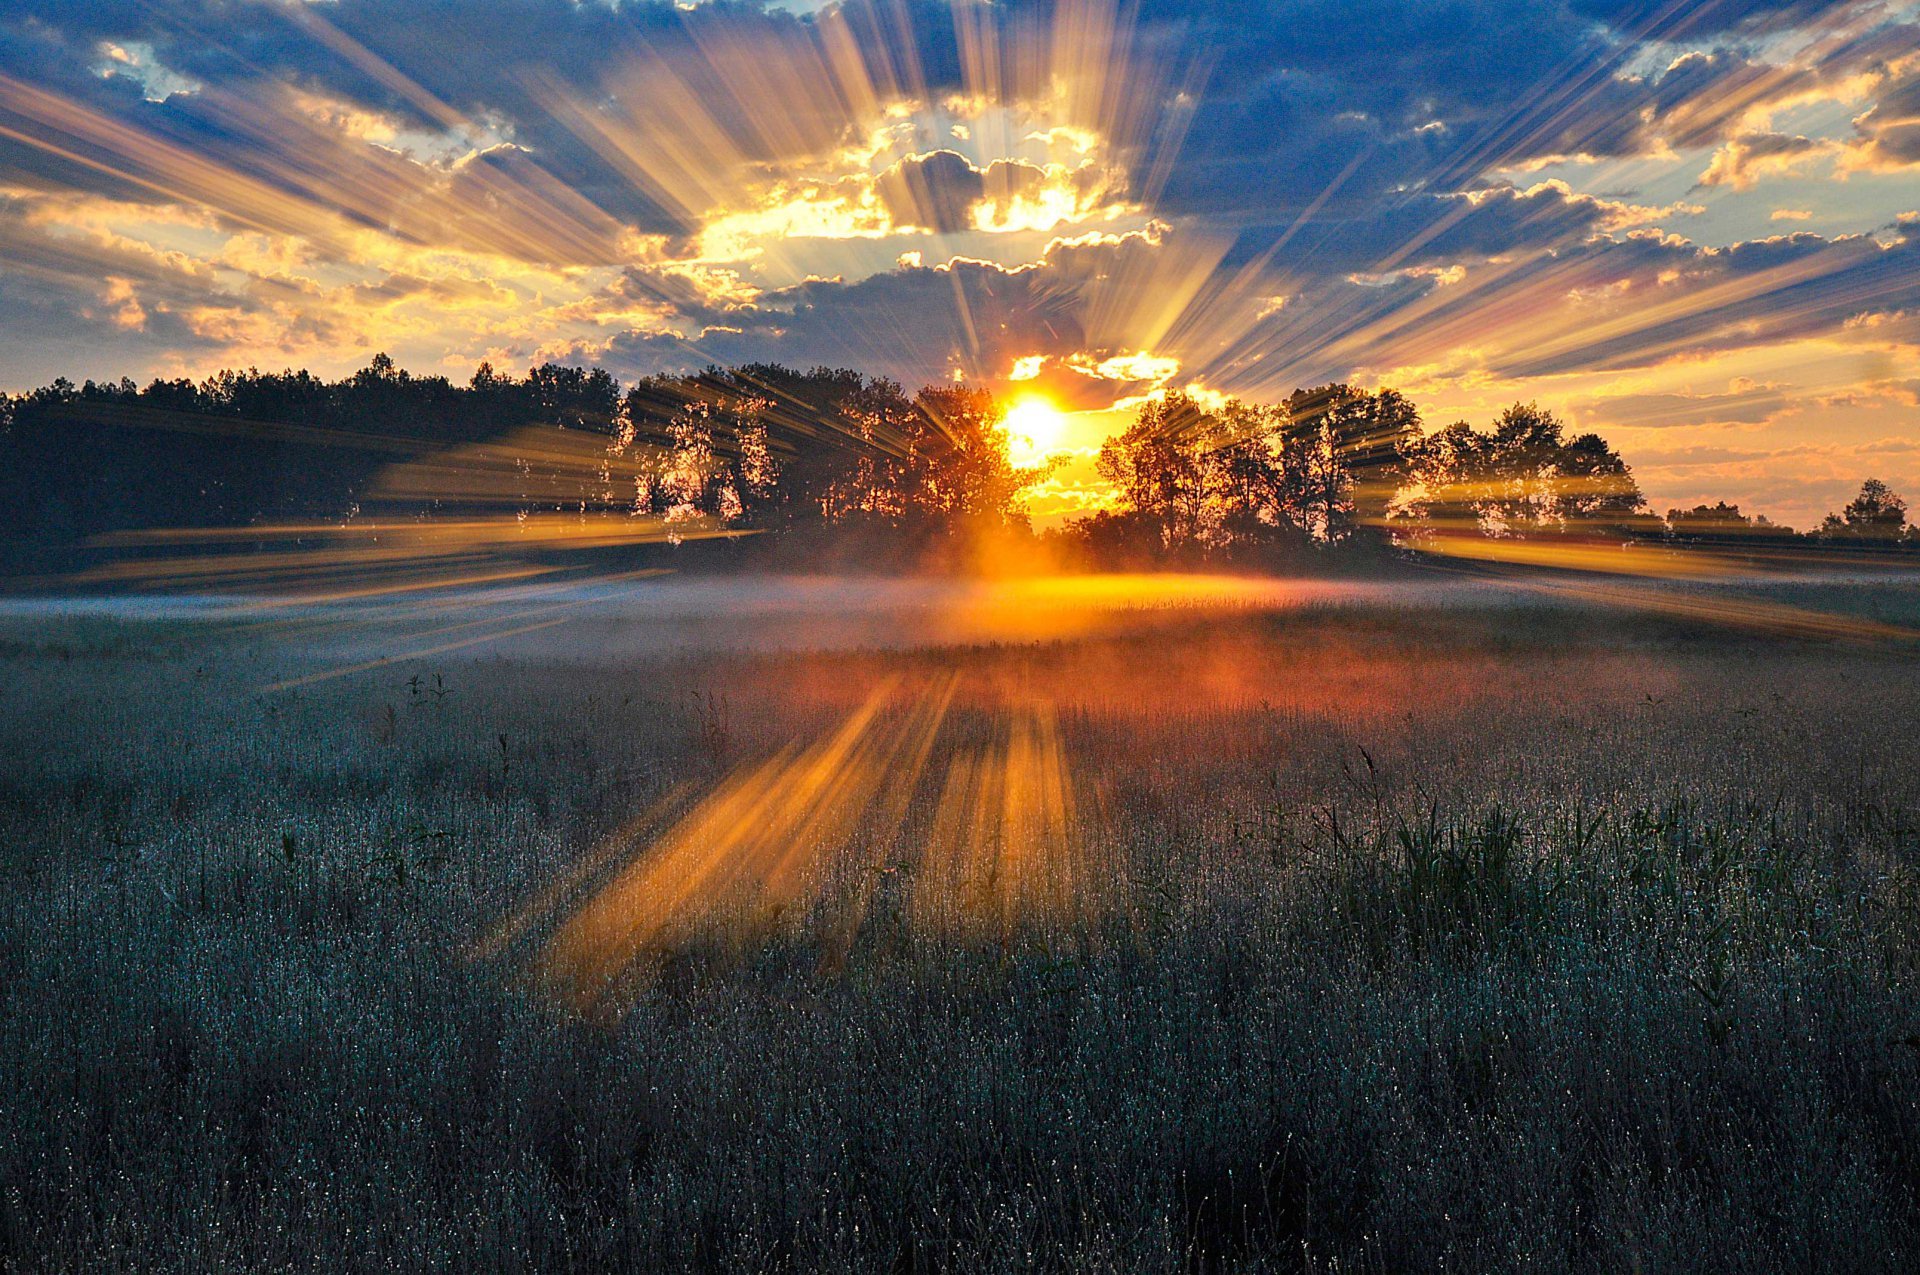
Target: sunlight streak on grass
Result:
[813, 832]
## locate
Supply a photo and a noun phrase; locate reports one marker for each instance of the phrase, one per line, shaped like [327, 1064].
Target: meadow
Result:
[1209, 926]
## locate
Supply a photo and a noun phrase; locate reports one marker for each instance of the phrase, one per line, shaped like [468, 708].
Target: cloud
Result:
[1744, 162]
[913, 324]
[934, 192]
[1098, 317]
[1746, 406]
[942, 192]
[1887, 134]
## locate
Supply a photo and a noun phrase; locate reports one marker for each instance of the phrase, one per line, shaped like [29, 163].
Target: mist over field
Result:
[600, 621]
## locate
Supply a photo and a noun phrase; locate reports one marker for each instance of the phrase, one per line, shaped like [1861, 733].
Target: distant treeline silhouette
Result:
[830, 468]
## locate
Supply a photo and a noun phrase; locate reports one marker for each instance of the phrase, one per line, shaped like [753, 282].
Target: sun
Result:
[1036, 429]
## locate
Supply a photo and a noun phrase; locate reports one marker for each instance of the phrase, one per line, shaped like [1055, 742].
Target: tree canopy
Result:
[1875, 516]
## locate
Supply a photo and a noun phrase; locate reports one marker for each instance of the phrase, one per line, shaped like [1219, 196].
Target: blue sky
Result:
[1694, 227]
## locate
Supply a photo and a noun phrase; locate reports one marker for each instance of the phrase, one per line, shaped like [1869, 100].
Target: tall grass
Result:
[1421, 945]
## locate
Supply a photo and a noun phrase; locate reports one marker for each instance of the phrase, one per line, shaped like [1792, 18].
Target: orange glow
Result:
[1036, 429]
[971, 807]
[999, 839]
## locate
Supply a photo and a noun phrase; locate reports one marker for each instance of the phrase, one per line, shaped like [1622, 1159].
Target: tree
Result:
[1350, 452]
[957, 475]
[1523, 478]
[1158, 468]
[1721, 521]
[830, 454]
[836, 466]
[1875, 516]
[1245, 481]
[1718, 519]
[573, 397]
[788, 442]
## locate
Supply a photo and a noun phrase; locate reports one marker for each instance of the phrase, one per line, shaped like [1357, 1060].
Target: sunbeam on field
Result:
[751, 897]
[980, 841]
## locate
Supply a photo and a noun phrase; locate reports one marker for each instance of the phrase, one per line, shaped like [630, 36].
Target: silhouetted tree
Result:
[574, 397]
[828, 454]
[834, 466]
[1523, 478]
[1722, 523]
[1719, 519]
[1876, 516]
[1159, 469]
[1352, 451]
[1250, 482]
[957, 476]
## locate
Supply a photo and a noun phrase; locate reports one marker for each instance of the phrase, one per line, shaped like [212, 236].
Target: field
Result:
[1079, 925]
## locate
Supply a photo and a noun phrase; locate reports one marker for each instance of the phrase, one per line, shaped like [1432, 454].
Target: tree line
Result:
[1340, 466]
[832, 468]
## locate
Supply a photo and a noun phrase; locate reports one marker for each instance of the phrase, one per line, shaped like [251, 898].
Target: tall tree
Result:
[1523, 477]
[1877, 516]
[1158, 467]
[1352, 450]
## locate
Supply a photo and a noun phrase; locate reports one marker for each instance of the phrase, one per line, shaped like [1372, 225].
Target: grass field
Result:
[1092, 926]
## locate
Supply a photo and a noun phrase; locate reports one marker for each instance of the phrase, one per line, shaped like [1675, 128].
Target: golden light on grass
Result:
[1007, 845]
[979, 829]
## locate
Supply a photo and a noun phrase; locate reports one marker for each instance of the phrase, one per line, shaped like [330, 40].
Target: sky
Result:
[1692, 226]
